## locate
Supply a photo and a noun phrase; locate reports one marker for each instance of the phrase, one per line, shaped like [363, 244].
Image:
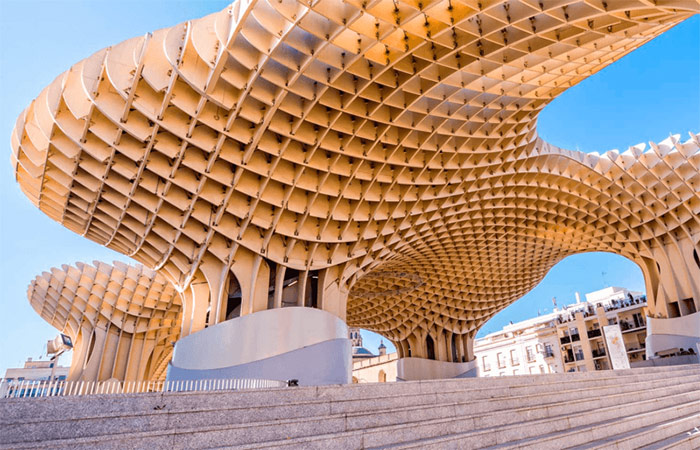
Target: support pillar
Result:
[216, 274]
[301, 290]
[253, 275]
[332, 297]
[418, 367]
[672, 276]
[200, 304]
[279, 285]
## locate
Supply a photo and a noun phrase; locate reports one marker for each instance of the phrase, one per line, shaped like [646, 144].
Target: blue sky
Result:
[645, 96]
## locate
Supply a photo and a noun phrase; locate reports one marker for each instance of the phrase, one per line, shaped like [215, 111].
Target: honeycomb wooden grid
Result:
[386, 137]
[122, 319]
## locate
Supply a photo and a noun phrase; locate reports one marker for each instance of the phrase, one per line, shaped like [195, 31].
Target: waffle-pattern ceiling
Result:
[395, 139]
[122, 319]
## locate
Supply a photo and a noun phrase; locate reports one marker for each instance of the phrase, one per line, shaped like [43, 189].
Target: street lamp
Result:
[56, 347]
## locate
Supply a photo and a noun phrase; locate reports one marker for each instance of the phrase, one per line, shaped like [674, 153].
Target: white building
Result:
[526, 347]
[36, 371]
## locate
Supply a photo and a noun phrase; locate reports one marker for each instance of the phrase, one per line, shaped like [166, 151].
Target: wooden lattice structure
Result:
[384, 148]
[123, 319]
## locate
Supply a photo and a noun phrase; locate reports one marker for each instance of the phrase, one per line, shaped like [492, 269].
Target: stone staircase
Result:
[653, 407]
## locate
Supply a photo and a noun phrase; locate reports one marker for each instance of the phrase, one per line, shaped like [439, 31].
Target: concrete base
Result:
[306, 344]
[410, 369]
[678, 332]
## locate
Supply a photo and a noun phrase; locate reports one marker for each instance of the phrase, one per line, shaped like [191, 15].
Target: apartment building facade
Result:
[526, 347]
[580, 329]
[568, 339]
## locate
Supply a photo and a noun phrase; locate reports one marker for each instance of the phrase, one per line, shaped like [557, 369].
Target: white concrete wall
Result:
[409, 369]
[678, 332]
[301, 343]
[257, 336]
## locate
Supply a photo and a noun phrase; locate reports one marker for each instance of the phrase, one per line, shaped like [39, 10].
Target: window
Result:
[501, 360]
[637, 319]
[514, 357]
[540, 348]
[574, 334]
[673, 310]
[485, 363]
[689, 306]
[548, 352]
[430, 346]
[530, 353]
[578, 352]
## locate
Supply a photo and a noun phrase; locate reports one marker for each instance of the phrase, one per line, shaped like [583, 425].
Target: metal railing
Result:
[598, 352]
[45, 388]
[594, 333]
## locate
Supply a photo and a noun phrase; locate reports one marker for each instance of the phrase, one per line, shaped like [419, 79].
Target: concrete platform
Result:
[607, 409]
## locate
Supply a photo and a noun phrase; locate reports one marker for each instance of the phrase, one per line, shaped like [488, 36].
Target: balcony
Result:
[568, 359]
[548, 354]
[565, 340]
[575, 337]
[597, 353]
[629, 325]
[594, 333]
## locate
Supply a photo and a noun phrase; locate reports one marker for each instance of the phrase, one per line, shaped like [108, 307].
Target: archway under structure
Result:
[576, 274]
[671, 277]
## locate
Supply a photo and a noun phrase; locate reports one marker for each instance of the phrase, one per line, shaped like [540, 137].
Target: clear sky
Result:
[645, 96]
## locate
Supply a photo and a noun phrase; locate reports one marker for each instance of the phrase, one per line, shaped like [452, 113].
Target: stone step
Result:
[430, 407]
[531, 429]
[280, 433]
[463, 432]
[344, 398]
[629, 425]
[688, 440]
[656, 433]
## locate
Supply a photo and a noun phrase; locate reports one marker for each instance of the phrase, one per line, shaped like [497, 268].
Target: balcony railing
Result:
[548, 354]
[575, 337]
[565, 340]
[598, 353]
[45, 388]
[594, 333]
